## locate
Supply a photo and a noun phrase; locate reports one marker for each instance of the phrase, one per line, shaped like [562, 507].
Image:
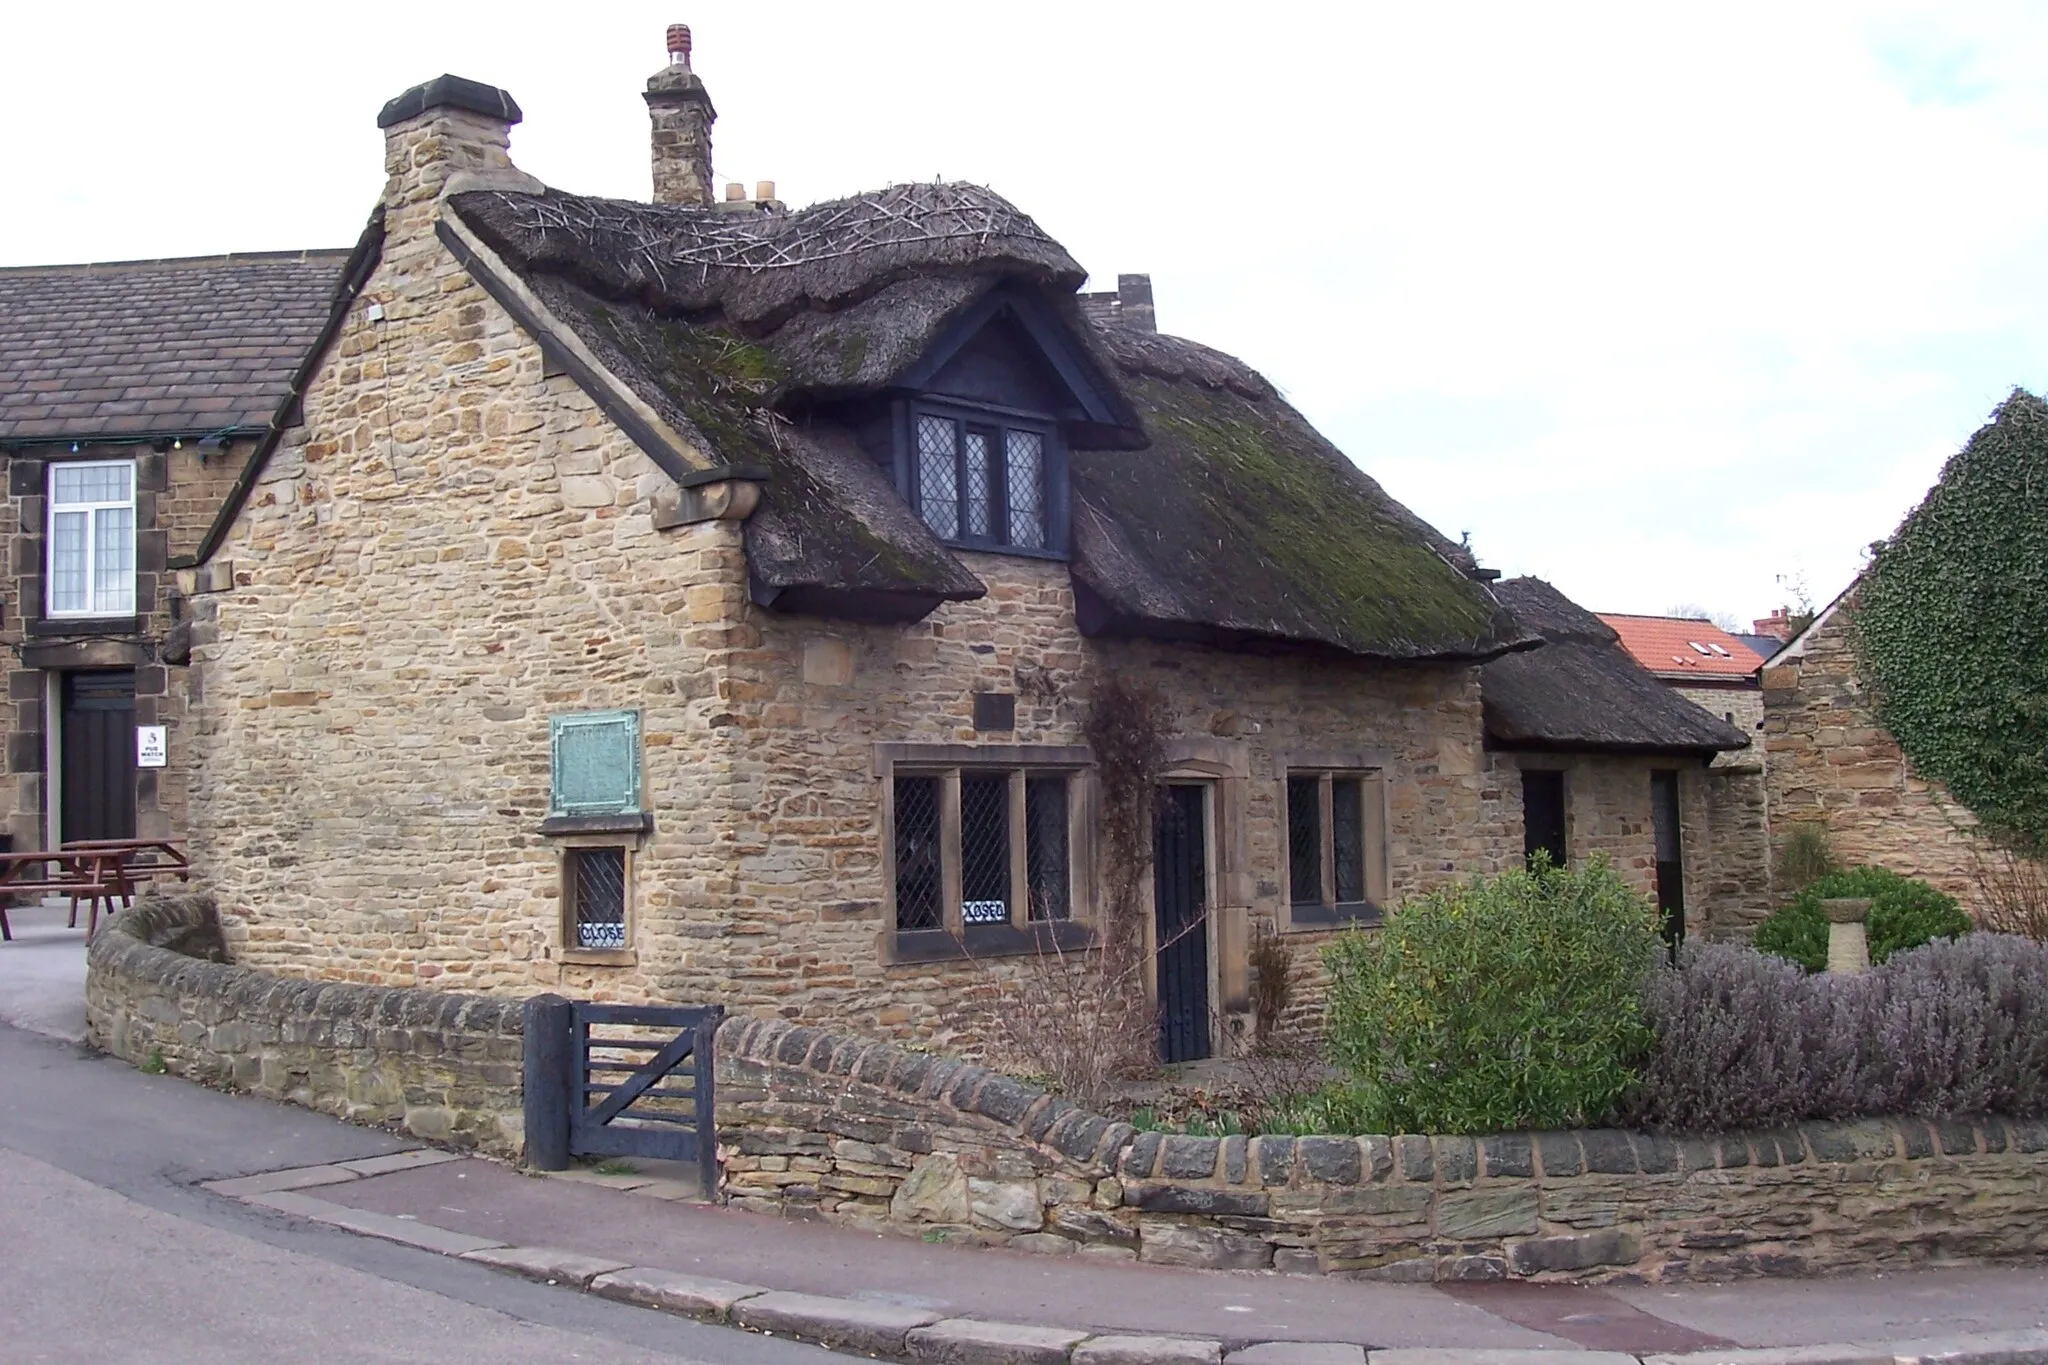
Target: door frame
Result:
[1188, 775]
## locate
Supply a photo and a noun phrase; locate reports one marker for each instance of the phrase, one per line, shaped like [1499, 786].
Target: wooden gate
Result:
[621, 1081]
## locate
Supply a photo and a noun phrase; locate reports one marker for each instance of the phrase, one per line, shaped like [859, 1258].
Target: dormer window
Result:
[987, 480]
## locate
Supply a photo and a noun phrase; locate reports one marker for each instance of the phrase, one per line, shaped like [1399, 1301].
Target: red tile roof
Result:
[1681, 649]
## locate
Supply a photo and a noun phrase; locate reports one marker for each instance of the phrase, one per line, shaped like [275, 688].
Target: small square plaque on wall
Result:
[995, 711]
[152, 750]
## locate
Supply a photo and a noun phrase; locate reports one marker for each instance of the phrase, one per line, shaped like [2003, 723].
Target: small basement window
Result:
[1336, 846]
[594, 881]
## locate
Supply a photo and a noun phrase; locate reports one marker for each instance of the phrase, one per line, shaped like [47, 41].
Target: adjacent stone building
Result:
[697, 600]
[1832, 766]
[134, 393]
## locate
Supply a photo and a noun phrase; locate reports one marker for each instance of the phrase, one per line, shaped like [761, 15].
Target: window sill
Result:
[631, 822]
[985, 940]
[1012, 551]
[599, 957]
[85, 625]
[1308, 917]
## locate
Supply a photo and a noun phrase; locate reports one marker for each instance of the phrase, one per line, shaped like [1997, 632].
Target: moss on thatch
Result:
[1240, 516]
[828, 518]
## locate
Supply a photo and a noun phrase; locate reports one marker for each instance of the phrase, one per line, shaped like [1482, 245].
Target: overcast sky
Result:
[1661, 303]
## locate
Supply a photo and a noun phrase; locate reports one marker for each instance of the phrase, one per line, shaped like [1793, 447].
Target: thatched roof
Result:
[1581, 690]
[1215, 512]
[1242, 519]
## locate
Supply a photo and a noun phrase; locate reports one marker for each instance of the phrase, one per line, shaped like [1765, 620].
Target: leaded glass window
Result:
[596, 880]
[1336, 844]
[92, 539]
[982, 483]
[982, 848]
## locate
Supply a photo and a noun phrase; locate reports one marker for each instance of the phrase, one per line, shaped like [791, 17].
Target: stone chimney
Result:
[681, 109]
[434, 133]
[1134, 303]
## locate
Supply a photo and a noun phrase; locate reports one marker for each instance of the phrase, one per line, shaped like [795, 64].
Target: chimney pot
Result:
[735, 192]
[682, 115]
[764, 190]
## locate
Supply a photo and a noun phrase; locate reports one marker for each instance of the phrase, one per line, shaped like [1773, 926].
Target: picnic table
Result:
[96, 871]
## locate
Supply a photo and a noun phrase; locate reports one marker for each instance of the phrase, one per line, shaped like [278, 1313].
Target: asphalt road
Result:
[108, 1254]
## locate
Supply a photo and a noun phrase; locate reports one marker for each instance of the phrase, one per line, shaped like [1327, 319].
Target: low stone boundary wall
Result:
[446, 1068]
[824, 1126]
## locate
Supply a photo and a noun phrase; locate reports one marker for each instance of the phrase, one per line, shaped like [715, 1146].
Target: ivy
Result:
[1951, 625]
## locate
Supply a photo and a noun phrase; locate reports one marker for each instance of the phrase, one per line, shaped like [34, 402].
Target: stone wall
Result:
[1833, 765]
[1742, 707]
[445, 1068]
[820, 1126]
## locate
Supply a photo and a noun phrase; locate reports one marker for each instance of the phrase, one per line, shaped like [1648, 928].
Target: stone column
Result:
[1848, 942]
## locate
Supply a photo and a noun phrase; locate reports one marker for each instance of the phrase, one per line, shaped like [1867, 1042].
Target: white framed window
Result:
[91, 570]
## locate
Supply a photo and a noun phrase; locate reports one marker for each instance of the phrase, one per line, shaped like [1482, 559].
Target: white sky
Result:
[1660, 303]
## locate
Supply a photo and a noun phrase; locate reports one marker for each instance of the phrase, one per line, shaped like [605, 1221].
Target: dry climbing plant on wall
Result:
[1080, 1020]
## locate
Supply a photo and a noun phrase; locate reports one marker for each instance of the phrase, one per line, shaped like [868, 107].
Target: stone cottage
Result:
[692, 600]
[1600, 756]
[130, 396]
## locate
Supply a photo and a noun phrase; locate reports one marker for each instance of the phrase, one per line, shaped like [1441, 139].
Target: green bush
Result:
[1510, 1002]
[1904, 913]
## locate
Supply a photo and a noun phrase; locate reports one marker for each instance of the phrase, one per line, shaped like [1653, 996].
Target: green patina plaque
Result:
[596, 762]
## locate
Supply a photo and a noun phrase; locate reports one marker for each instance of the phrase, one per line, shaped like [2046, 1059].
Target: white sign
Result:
[151, 749]
[984, 912]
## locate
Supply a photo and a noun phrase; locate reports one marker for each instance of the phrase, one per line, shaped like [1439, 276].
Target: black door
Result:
[1180, 876]
[99, 757]
[1543, 815]
[1670, 856]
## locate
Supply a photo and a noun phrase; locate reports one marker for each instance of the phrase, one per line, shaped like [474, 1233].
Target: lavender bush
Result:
[1745, 1040]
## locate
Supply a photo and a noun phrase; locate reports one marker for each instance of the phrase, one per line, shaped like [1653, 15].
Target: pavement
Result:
[147, 1180]
[42, 972]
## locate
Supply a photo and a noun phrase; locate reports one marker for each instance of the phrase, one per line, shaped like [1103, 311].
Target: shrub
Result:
[1904, 913]
[1749, 1041]
[1806, 857]
[1504, 1003]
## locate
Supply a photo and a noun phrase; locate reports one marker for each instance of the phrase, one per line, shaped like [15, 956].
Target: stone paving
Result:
[639, 1236]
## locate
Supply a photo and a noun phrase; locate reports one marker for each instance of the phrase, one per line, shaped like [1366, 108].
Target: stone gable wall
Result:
[817, 1125]
[1832, 764]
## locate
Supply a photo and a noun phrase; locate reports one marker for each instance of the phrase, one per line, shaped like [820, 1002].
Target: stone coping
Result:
[123, 948]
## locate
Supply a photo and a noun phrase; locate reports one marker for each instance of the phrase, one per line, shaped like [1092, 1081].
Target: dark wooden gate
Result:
[623, 1081]
[98, 758]
[1664, 823]
[1180, 876]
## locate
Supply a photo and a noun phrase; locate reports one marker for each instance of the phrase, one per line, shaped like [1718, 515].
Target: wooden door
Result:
[1180, 900]
[1664, 822]
[98, 759]
[1543, 827]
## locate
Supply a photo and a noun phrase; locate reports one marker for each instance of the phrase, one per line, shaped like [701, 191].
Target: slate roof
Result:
[1684, 649]
[1582, 690]
[145, 348]
[1204, 506]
